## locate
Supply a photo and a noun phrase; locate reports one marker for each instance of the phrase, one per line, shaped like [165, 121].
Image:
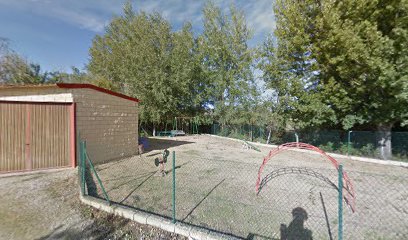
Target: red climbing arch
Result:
[348, 190]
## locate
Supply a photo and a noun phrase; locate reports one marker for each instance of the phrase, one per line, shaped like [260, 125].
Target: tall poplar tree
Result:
[140, 55]
[227, 61]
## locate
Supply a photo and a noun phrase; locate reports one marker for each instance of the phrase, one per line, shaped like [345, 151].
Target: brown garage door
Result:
[34, 136]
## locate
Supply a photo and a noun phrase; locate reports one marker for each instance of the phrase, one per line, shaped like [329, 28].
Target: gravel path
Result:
[45, 205]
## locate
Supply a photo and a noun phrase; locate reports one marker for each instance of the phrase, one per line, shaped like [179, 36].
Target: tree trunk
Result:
[269, 136]
[384, 140]
[252, 134]
[154, 130]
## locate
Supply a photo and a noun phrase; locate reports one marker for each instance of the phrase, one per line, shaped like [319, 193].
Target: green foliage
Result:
[175, 73]
[14, 69]
[367, 150]
[227, 60]
[140, 55]
[339, 62]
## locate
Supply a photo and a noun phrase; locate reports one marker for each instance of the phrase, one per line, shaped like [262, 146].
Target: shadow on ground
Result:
[96, 230]
[160, 144]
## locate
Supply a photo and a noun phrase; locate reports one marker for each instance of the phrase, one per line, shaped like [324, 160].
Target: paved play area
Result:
[215, 189]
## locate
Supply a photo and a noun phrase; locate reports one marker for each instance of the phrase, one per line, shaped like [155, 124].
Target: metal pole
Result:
[349, 142]
[174, 187]
[340, 213]
[252, 133]
[297, 139]
[98, 178]
[83, 159]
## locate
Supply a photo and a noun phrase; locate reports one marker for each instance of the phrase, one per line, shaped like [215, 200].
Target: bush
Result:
[328, 147]
[368, 150]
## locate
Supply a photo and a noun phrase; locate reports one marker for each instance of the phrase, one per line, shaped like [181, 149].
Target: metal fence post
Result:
[174, 187]
[92, 167]
[83, 159]
[297, 139]
[349, 142]
[80, 169]
[340, 207]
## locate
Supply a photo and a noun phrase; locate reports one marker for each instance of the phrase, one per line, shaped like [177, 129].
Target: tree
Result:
[345, 59]
[141, 56]
[295, 98]
[14, 69]
[227, 62]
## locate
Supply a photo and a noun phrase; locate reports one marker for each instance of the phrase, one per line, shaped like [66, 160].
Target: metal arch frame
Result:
[348, 189]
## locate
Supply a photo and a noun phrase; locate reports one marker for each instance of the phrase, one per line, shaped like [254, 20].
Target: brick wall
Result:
[109, 124]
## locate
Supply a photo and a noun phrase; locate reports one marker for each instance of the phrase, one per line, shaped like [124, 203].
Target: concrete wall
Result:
[108, 123]
[46, 94]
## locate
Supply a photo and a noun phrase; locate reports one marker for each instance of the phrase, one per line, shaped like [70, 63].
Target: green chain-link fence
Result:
[355, 143]
[214, 187]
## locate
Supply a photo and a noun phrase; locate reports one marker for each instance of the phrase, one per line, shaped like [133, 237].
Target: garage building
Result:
[40, 125]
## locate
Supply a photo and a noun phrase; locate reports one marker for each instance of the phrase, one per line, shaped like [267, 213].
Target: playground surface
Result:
[215, 189]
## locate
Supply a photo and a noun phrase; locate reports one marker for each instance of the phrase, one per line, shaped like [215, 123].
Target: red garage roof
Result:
[72, 85]
[90, 86]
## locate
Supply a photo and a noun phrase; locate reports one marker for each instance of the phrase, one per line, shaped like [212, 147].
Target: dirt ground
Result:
[215, 188]
[45, 205]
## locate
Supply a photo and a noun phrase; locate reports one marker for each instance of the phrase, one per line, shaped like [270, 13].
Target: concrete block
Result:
[160, 222]
[198, 233]
[125, 212]
[106, 208]
[140, 217]
[167, 225]
[182, 229]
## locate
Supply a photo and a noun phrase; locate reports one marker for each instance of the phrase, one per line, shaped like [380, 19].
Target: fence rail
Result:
[355, 143]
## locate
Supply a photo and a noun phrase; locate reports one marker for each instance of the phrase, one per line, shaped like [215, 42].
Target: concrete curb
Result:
[190, 231]
[361, 159]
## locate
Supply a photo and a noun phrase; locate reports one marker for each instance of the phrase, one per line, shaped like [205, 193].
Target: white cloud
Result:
[260, 16]
[176, 11]
[93, 15]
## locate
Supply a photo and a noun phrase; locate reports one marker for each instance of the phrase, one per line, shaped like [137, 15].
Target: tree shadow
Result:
[101, 166]
[105, 228]
[138, 186]
[326, 217]
[202, 200]
[51, 233]
[160, 144]
[177, 167]
[153, 154]
[252, 236]
[150, 174]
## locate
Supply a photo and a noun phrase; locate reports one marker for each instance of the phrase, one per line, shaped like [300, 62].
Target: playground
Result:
[180, 127]
[216, 189]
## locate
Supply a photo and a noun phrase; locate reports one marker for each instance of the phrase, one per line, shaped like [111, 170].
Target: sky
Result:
[58, 33]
